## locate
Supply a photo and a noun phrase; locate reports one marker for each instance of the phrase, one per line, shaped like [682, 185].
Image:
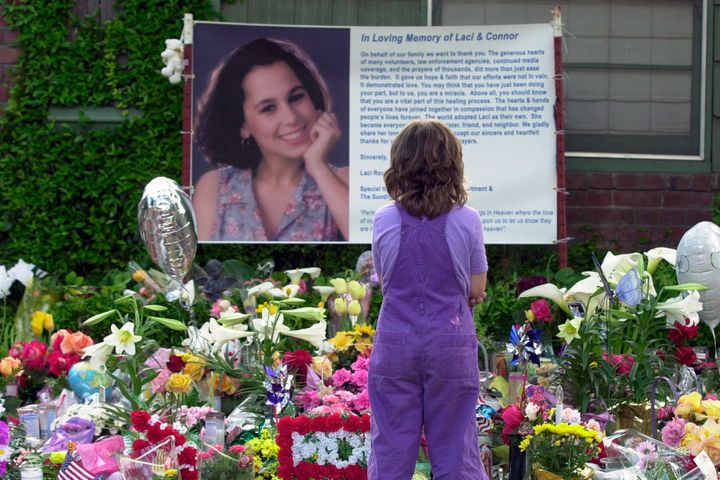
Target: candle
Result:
[559, 404]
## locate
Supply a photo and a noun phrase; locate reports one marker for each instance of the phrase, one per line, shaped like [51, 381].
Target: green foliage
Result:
[70, 196]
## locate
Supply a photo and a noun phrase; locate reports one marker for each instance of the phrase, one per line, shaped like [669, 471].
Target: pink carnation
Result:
[362, 401]
[673, 432]
[340, 377]
[360, 378]
[362, 363]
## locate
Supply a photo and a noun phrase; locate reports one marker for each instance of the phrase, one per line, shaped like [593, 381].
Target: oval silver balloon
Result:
[698, 261]
[167, 225]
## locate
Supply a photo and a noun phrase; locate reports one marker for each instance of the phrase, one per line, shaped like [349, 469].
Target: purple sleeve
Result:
[386, 240]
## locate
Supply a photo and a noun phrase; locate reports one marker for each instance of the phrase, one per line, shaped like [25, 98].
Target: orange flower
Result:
[9, 365]
[75, 343]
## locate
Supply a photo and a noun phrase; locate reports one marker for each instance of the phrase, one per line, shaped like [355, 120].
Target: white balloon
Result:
[167, 226]
[698, 261]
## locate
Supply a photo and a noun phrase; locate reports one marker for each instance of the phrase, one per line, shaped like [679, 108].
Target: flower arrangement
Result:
[343, 392]
[615, 330]
[152, 431]
[333, 446]
[695, 426]
[561, 449]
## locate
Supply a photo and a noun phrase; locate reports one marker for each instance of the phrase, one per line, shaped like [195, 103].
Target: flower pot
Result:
[540, 474]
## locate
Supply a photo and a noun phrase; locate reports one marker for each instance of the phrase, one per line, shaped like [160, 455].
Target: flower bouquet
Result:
[616, 335]
[630, 454]
[560, 450]
[152, 462]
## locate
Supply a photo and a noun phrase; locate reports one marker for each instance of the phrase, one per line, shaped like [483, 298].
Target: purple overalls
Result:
[423, 367]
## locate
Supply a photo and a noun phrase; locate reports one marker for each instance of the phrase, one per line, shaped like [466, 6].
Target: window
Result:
[634, 68]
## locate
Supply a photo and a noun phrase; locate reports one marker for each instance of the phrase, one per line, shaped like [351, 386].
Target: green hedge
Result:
[70, 197]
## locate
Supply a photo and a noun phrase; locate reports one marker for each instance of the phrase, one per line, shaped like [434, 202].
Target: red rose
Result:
[187, 474]
[59, 364]
[33, 355]
[139, 420]
[541, 310]
[175, 364]
[686, 355]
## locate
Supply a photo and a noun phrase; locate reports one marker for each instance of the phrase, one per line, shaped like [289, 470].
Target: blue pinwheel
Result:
[525, 344]
[278, 386]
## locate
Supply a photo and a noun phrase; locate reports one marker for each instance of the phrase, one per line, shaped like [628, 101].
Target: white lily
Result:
[660, 253]
[220, 335]
[583, 290]
[199, 339]
[682, 310]
[269, 325]
[123, 339]
[6, 281]
[288, 291]
[98, 354]
[324, 291]
[316, 334]
[570, 330]
[22, 272]
[549, 291]
[260, 289]
[296, 275]
[615, 266]
[230, 317]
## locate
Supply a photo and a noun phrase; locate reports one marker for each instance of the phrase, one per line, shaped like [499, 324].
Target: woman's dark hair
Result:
[220, 110]
[426, 169]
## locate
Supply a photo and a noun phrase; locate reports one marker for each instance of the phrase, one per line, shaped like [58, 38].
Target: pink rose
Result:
[362, 363]
[513, 417]
[75, 343]
[33, 355]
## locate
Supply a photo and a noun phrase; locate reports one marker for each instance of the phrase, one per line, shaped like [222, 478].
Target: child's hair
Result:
[426, 169]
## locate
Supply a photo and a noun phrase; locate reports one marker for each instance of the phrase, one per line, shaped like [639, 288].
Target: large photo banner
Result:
[293, 126]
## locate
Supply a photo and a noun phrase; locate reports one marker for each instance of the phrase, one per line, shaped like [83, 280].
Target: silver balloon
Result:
[698, 261]
[167, 226]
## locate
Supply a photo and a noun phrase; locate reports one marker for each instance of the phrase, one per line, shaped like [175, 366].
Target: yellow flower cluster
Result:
[271, 307]
[564, 430]
[360, 337]
[40, 322]
[265, 452]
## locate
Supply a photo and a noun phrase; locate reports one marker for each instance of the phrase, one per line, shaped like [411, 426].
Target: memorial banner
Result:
[492, 85]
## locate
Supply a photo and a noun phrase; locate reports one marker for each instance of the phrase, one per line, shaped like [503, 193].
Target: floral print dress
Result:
[306, 218]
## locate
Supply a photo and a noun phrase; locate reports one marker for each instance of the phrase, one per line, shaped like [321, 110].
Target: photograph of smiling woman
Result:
[265, 121]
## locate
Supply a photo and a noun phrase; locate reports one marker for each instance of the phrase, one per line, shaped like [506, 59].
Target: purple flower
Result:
[673, 432]
[4, 433]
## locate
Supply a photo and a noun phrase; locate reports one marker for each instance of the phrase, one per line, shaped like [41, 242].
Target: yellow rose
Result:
[178, 383]
[9, 365]
[712, 408]
[687, 404]
[229, 385]
[322, 366]
[193, 366]
[57, 458]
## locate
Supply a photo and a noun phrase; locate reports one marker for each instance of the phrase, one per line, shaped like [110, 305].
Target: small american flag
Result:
[72, 470]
